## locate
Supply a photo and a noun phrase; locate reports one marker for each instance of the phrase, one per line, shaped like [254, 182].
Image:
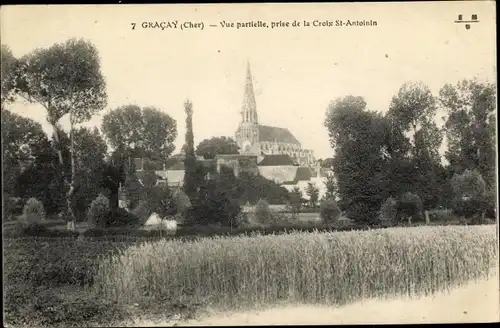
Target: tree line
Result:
[68, 170]
[395, 156]
[378, 158]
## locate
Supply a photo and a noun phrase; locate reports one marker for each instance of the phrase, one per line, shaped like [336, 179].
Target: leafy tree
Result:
[137, 132]
[148, 178]
[22, 138]
[472, 197]
[159, 199]
[313, 192]
[469, 184]
[409, 207]
[412, 111]
[208, 148]
[90, 150]
[358, 138]
[413, 108]
[470, 126]
[400, 176]
[326, 163]
[98, 211]
[132, 187]
[389, 210]
[214, 205]
[8, 67]
[65, 79]
[42, 179]
[182, 202]
[251, 188]
[113, 176]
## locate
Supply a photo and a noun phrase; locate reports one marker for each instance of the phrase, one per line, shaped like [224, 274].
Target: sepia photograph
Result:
[249, 164]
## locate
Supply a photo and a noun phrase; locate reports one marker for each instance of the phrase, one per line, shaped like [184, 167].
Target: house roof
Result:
[234, 156]
[303, 173]
[147, 164]
[179, 166]
[271, 134]
[208, 163]
[277, 160]
[173, 160]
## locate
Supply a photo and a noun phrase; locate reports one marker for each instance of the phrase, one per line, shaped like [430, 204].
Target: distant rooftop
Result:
[277, 160]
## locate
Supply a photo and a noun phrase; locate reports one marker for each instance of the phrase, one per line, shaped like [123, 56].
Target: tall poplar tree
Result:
[190, 166]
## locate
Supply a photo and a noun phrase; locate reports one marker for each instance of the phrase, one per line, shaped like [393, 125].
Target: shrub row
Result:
[27, 305]
[126, 234]
[37, 230]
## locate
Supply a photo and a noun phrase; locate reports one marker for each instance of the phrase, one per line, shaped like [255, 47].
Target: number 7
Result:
[133, 26]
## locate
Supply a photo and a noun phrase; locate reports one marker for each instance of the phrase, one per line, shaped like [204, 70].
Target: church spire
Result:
[249, 110]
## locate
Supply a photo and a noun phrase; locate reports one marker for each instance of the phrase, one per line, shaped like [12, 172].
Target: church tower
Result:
[247, 135]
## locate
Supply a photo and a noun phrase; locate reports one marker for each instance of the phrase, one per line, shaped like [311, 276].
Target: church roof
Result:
[271, 134]
[277, 160]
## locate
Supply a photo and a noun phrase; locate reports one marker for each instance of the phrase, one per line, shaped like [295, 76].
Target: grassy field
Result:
[62, 282]
[317, 268]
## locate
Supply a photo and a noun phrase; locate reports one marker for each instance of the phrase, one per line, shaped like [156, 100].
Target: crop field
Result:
[306, 268]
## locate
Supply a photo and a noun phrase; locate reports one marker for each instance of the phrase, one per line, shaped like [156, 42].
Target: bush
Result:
[410, 206]
[141, 211]
[213, 205]
[99, 211]
[472, 198]
[121, 231]
[121, 218]
[442, 215]
[37, 230]
[362, 209]
[329, 210]
[33, 212]
[389, 210]
[469, 208]
[262, 212]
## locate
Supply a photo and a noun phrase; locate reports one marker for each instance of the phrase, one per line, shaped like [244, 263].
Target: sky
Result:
[297, 71]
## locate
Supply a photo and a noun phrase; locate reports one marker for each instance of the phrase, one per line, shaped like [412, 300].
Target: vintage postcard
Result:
[249, 164]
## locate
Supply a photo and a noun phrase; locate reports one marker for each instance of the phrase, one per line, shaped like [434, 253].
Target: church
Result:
[271, 152]
[261, 140]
